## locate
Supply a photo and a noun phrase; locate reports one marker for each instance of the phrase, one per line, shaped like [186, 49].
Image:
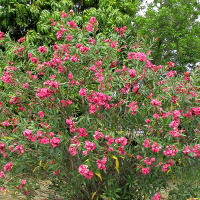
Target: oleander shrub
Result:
[94, 116]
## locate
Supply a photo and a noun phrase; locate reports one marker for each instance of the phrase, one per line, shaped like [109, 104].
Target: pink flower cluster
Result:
[132, 73]
[102, 163]
[170, 150]
[97, 135]
[42, 49]
[53, 84]
[146, 170]
[2, 147]
[167, 165]
[90, 146]
[72, 24]
[156, 147]
[8, 166]
[140, 56]
[194, 151]
[156, 197]
[120, 30]
[8, 76]
[82, 132]
[1, 35]
[155, 102]
[29, 135]
[134, 108]
[149, 161]
[55, 142]
[98, 99]
[91, 24]
[43, 93]
[84, 171]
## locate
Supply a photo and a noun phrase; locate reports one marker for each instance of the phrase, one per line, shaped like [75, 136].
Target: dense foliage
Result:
[172, 25]
[93, 109]
[175, 26]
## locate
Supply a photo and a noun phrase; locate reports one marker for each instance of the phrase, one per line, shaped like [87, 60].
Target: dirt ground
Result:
[41, 194]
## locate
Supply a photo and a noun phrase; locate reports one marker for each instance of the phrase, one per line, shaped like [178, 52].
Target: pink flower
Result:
[11, 149]
[134, 109]
[43, 93]
[146, 170]
[59, 35]
[84, 171]
[23, 182]
[149, 161]
[156, 197]
[93, 20]
[25, 85]
[63, 102]
[42, 49]
[110, 141]
[165, 167]
[82, 92]
[2, 146]
[174, 124]
[110, 149]
[63, 15]
[6, 123]
[121, 140]
[174, 133]
[68, 37]
[72, 149]
[41, 114]
[85, 153]
[90, 146]
[74, 58]
[72, 24]
[102, 163]
[146, 143]
[20, 149]
[97, 135]
[156, 116]
[34, 60]
[70, 76]
[155, 147]
[89, 28]
[8, 166]
[55, 142]
[132, 73]
[2, 175]
[139, 157]
[69, 121]
[147, 121]
[69, 102]
[82, 132]
[171, 73]
[29, 135]
[195, 111]
[71, 12]
[1, 35]
[44, 140]
[92, 41]
[176, 114]
[171, 64]
[187, 150]
[155, 102]
[6, 79]
[170, 151]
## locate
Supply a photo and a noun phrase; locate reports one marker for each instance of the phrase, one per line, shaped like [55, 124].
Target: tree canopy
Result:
[170, 26]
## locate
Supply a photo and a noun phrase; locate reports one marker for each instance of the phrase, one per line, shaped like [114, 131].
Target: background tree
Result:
[174, 26]
[19, 16]
[171, 26]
